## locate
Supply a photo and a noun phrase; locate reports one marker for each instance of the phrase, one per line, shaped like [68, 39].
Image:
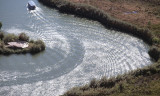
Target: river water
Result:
[77, 50]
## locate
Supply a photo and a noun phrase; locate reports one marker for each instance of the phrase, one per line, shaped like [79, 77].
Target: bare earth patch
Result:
[132, 11]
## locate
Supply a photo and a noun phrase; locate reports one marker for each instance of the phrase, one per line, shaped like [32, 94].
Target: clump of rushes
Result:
[37, 46]
[157, 2]
[1, 35]
[156, 31]
[0, 25]
[10, 38]
[33, 48]
[154, 52]
[23, 37]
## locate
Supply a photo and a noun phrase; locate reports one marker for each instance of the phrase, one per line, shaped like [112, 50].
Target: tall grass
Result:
[1, 35]
[136, 83]
[23, 37]
[34, 46]
[156, 31]
[154, 52]
[37, 46]
[0, 25]
[10, 38]
[157, 2]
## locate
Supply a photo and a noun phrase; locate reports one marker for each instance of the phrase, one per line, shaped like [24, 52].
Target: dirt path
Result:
[133, 11]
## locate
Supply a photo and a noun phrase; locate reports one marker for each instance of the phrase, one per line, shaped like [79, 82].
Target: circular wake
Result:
[77, 51]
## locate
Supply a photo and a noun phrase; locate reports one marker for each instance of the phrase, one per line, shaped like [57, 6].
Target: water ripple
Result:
[77, 51]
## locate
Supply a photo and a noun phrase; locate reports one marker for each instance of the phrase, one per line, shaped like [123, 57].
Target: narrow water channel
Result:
[77, 51]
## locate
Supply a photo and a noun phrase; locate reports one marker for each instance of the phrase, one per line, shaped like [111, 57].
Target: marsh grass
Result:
[34, 46]
[1, 35]
[10, 38]
[23, 37]
[0, 25]
[140, 82]
[154, 52]
[157, 2]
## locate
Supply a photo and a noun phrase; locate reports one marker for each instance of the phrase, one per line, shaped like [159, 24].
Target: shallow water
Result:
[77, 51]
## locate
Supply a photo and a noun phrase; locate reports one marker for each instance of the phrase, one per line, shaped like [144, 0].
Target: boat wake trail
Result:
[77, 51]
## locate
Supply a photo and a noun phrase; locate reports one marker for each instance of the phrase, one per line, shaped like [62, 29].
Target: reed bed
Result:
[33, 48]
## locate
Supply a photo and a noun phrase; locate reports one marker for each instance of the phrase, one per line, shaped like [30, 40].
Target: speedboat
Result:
[31, 5]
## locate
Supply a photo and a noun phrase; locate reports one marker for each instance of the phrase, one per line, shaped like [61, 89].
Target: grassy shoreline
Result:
[139, 82]
[33, 48]
[90, 12]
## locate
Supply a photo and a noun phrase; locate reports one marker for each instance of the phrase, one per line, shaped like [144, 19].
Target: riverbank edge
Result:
[90, 12]
[93, 13]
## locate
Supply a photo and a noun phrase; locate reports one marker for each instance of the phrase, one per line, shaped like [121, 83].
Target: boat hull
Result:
[31, 5]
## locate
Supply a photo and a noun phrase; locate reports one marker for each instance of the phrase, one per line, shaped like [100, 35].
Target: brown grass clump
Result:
[0, 25]
[34, 46]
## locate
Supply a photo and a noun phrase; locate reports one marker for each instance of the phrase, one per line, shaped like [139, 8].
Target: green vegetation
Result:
[140, 82]
[0, 25]
[93, 13]
[156, 32]
[34, 46]
[1, 35]
[9, 38]
[157, 2]
[154, 52]
[23, 37]
[144, 81]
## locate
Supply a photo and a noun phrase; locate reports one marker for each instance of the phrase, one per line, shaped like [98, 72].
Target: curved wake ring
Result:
[62, 67]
